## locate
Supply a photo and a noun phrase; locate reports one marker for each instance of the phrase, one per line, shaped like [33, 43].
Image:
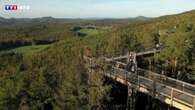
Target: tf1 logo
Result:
[11, 7]
[16, 7]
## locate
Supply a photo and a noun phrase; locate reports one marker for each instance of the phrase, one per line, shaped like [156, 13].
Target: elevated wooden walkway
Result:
[138, 54]
[176, 93]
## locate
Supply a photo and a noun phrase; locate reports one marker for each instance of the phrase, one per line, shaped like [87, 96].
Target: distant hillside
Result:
[106, 21]
[148, 30]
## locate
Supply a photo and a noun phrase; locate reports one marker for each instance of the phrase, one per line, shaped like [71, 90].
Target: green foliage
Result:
[56, 76]
[34, 32]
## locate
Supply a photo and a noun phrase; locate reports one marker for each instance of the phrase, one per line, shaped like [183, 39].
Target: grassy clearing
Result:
[90, 32]
[29, 50]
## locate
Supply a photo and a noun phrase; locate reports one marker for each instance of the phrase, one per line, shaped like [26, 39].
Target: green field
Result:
[28, 50]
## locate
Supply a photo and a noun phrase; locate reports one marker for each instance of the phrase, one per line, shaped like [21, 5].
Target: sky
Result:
[95, 8]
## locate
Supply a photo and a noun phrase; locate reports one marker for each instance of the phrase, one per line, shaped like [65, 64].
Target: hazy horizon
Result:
[75, 17]
[97, 9]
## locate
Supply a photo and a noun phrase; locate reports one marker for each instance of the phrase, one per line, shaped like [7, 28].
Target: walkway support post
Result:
[172, 96]
[131, 98]
[194, 104]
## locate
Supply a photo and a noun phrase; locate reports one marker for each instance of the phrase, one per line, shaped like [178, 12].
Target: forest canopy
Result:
[56, 76]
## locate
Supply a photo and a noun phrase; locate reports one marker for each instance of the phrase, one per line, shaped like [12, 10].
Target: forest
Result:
[42, 65]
